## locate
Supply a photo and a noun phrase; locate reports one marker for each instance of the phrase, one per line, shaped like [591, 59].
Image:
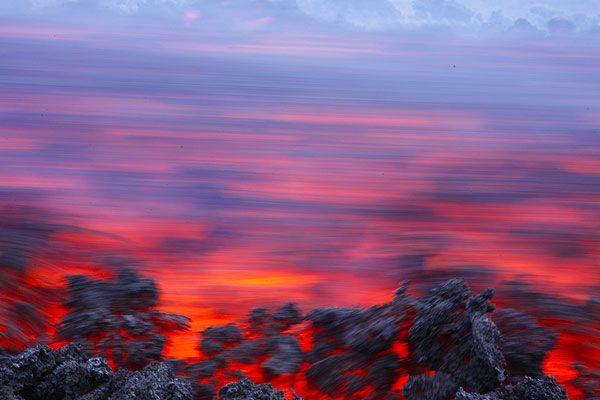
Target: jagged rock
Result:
[28, 368]
[353, 354]
[452, 334]
[118, 315]
[537, 389]
[276, 352]
[287, 315]
[38, 373]
[425, 387]
[7, 393]
[156, 381]
[526, 389]
[246, 390]
[462, 395]
[329, 376]
[215, 338]
[347, 340]
[285, 356]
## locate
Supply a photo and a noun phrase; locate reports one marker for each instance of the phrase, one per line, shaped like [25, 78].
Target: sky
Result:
[245, 152]
[465, 16]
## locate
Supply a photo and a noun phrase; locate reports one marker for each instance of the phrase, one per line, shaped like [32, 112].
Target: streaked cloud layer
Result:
[249, 151]
[310, 155]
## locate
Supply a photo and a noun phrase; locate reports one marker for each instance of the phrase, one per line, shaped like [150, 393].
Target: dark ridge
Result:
[457, 347]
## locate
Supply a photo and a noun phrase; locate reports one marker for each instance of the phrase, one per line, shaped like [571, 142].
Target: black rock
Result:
[424, 387]
[452, 334]
[247, 390]
[38, 373]
[119, 316]
[527, 389]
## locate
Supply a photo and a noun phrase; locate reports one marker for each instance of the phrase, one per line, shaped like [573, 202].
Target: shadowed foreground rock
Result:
[526, 389]
[68, 373]
[437, 387]
[246, 390]
[453, 334]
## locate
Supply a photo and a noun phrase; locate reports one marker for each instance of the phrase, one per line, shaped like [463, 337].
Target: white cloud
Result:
[125, 6]
[471, 16]
[361, 13]
[467, 15]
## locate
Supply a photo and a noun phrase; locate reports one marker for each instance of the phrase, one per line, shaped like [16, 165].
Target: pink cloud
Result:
[191, 16]
[257, 23]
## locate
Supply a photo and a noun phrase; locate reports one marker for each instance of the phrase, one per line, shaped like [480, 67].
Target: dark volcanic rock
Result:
[156, 381]
[424, 387]
[38, 373]
[246, 390]
[537, 389]
[453, 334]
[455, 351]
[527, 389]
[523, 342]
[262, 343]
[118, 315]
[215, 338]
[349, 341]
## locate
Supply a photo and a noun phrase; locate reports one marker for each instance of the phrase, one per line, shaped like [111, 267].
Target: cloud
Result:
[551, 16]
[361, 13]
[190, 16]
[470, 16]
[124, 6]
[442, 10]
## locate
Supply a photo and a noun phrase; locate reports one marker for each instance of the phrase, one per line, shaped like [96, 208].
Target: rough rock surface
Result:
[246, 390]
[262, 342]
[118, 316]
[527, 389]
[452, 333]
[455, 348]
[352, 348]
[524, 343]
[425, 387]
[69, 373]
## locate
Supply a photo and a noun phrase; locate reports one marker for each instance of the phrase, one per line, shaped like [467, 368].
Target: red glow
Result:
[309, 182]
